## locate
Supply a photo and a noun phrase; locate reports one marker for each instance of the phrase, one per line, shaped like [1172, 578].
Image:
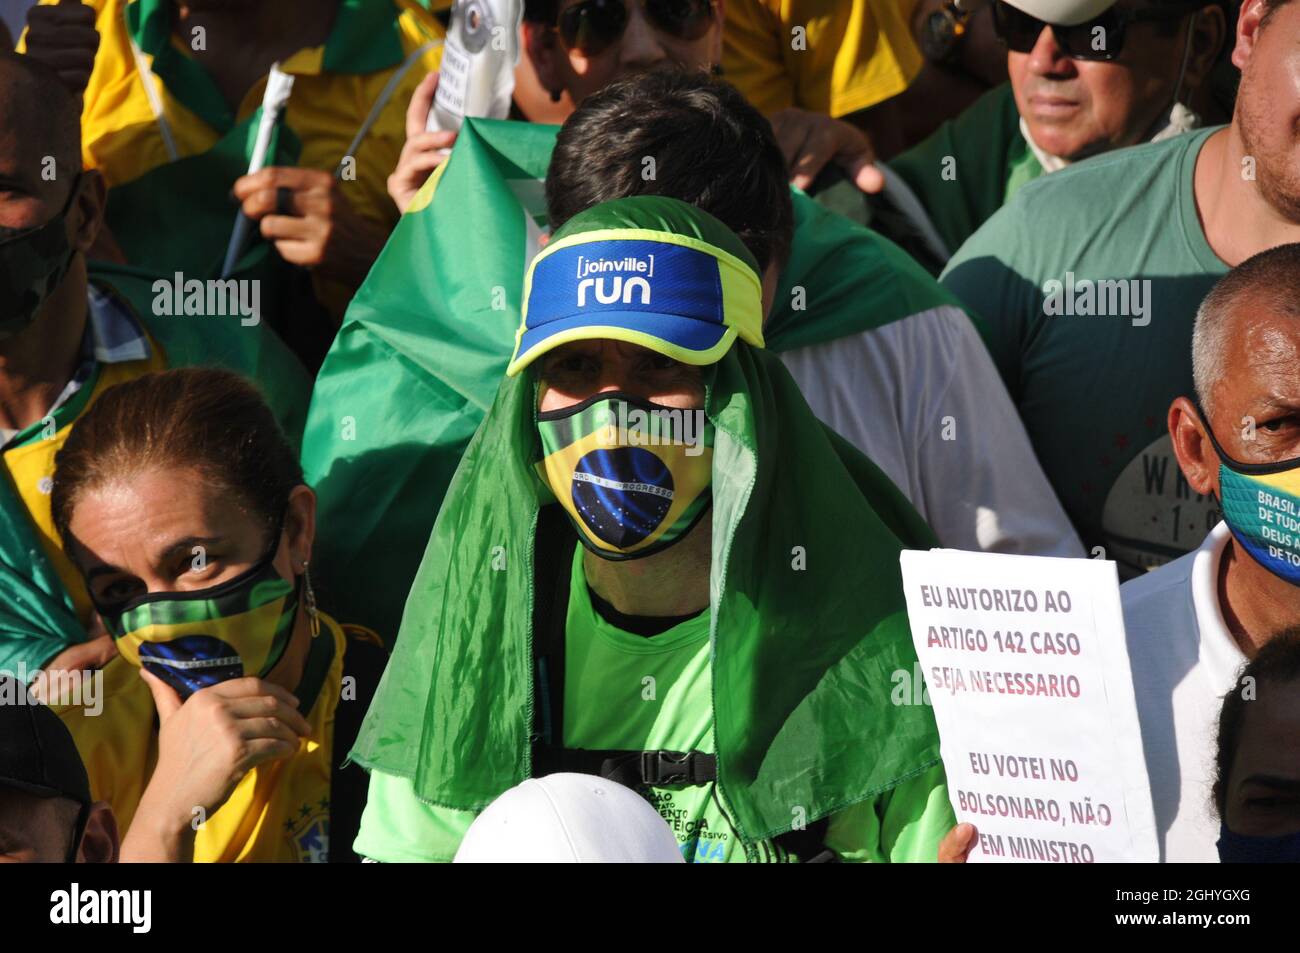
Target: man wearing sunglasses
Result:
[1088, 279]
[575, 47]
[1086, 76]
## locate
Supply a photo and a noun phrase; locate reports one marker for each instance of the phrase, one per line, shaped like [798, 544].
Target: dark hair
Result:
[1277, 664]
[710, 148]
[201, 417]
[51, 114]
[545, 12]
[1270, 10]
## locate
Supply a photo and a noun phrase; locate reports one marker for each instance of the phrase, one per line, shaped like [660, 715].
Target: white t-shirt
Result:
[922, 398]
[1184, 661]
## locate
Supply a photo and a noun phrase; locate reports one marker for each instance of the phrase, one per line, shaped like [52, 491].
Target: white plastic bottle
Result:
[477, 76]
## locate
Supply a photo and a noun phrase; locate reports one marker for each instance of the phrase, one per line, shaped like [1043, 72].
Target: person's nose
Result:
[1047, 58]
[641, 48]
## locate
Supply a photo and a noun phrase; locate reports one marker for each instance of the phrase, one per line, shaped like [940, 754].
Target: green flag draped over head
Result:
[427, 337]
[808, 623]
[37, 619]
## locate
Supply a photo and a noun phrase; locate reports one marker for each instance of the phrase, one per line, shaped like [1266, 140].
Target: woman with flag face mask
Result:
[179, 499]
[655, 565]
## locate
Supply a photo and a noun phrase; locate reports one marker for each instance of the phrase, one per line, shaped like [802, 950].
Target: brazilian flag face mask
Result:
[1261, 505]
[194, 639]
[634, 476]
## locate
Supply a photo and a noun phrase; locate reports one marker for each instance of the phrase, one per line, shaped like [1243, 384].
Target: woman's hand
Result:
[205, 747]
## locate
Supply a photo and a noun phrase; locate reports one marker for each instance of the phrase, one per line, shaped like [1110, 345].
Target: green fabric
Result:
[218, 341]
[1094, 391]
[629, 692]
[150, 24]
[36, 615]
[428, 336]
[800, 722]
[37, 621]
[986, 149]
[903, 825]
[364, 39]
[179, 216]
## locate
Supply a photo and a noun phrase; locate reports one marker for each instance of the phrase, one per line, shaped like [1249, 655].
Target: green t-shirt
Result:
[970, 166]
[1088, 284]
[627, 691]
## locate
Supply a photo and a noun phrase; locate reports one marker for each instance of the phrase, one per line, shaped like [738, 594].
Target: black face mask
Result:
[32, 263]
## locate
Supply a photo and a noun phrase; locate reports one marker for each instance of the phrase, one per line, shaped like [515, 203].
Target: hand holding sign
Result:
[1026, 665]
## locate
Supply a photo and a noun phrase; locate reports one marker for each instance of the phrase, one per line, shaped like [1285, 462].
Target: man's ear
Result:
[542, 45]
[1248, 21]
[100, 842]
[1196, 455]
[1209, 27]
[91, 197]
[300, 524]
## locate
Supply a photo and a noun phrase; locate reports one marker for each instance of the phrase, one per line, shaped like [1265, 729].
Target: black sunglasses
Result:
[1098, 39]
[592, 26]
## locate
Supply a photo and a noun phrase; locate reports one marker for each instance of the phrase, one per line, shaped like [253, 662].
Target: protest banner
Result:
[1025, 662]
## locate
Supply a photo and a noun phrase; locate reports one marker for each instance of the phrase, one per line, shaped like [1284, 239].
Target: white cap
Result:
[569, 819]
[1063, 12]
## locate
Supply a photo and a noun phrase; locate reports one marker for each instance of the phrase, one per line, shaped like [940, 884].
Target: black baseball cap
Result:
[37, 753]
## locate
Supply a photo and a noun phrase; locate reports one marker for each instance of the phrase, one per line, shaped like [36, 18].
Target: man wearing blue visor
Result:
[654, 564]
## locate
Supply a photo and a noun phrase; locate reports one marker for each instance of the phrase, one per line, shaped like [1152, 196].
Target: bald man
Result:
[67, 333]
[1193, 623]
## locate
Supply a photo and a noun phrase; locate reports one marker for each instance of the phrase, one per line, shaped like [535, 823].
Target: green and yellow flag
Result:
[428, 336]
[803, 662]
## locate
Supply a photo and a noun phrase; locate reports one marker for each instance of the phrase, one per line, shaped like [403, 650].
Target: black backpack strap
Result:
[363, 660]
[809, 844]
[639, 769]
[552, 575]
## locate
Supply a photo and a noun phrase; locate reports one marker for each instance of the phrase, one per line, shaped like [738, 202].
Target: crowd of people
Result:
[600, 428]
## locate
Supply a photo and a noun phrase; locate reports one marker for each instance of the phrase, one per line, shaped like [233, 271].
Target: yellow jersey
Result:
[279, 811]
[826, 56]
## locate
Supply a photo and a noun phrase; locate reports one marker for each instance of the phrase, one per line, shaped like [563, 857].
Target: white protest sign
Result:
[1026, 665]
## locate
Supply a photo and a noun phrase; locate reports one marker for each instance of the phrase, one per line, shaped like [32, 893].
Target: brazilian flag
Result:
[808, 623]
[428, 336]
